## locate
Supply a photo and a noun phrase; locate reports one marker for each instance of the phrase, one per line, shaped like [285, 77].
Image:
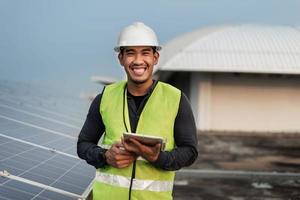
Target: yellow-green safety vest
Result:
[157, 119]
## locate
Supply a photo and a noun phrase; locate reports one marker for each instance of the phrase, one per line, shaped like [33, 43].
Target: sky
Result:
[65, 42]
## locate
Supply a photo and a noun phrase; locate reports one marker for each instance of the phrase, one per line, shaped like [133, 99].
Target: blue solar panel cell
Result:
[23, 132]
[18, 165]
[37, 154]
[42, 139]
[67, 160]
[53, 169]
[26, 161]
[33, 123]
[41, 198]
[50, 174]
[11, 169]
[61, 144]
[61, 166]
[15, 194]
[38, 178]
[23, 187]
[69, 187]
[15, 148]
[71, 151]
[55, 196]
[5, 154]
[3, 180]
[9, 125]
[84, 169]
[76, 179]
[3, 140]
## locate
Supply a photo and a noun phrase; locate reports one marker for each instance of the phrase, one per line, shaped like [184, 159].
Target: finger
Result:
[110, 162]
[118, 160]
[124, 157]
[128, 146]
[131, 148]
[125, 151]
[109, 153]
[135, 142]
[120, 163]
[125, 145]
[110, 158]
[158, 146]
[117, 149]
[124, 163]
[114, 150]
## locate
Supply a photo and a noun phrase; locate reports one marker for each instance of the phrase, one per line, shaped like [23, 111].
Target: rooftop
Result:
[237, 48]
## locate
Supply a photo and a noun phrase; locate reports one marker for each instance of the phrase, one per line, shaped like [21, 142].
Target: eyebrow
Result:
[129, 50]
[148, 49]
[143, 50]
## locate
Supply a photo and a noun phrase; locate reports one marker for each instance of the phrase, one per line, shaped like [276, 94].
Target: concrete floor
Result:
[241, 167]
[236, 185]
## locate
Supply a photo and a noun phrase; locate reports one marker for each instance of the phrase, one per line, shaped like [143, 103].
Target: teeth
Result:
[139, 71]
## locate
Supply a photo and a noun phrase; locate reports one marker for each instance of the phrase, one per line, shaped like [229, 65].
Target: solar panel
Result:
[38, 135]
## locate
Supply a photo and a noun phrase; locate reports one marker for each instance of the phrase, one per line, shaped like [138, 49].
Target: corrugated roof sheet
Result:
[240, 48]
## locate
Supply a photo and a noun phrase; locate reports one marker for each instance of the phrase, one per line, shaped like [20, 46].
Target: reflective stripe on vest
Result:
[122, 181]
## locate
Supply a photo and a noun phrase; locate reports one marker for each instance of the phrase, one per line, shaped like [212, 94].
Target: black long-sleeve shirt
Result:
[184, 153]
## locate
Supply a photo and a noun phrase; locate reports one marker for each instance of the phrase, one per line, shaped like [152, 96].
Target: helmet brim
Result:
[117, 48]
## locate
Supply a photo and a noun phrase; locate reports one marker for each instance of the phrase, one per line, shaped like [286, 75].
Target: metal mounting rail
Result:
[40, 185]
[201, 173]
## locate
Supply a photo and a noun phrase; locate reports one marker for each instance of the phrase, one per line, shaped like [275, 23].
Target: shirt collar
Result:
[150, 90]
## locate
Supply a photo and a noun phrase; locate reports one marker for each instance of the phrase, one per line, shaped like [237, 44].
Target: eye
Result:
[146, 53]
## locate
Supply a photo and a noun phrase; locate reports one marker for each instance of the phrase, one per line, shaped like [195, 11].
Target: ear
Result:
[156, 57]
[120, 57]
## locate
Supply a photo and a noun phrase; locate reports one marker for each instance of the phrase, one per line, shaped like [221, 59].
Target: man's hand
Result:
[150, 153]
[118, 157]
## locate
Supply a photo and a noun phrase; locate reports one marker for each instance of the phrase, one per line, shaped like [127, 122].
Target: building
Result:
[238, 78]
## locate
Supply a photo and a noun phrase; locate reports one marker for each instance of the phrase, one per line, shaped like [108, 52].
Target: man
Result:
[141, 105]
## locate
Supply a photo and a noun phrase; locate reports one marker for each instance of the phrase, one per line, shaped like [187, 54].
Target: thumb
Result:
[158, 146]
[118, 144]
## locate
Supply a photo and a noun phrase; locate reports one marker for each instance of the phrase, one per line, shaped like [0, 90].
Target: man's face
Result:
[138, 63]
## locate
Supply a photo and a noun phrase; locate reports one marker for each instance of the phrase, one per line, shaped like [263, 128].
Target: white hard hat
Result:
[137, 34]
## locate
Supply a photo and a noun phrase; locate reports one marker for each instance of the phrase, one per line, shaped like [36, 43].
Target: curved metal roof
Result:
[240, 48]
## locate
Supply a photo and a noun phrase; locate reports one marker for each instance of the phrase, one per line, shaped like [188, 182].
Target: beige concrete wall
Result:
[248, 103]
[201, 92]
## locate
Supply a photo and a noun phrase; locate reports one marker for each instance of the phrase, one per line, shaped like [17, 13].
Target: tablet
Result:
[146, 139]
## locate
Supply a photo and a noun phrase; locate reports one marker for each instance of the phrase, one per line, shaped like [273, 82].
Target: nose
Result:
[138, 60]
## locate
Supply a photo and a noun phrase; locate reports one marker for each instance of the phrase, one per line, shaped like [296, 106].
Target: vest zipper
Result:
[139, 111]
[131, 180]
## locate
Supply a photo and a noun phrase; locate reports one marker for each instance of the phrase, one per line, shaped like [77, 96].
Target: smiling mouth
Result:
[139, 71]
